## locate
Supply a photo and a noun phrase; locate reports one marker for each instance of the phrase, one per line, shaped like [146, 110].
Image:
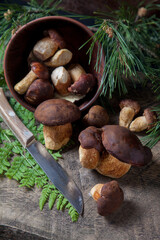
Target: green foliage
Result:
[23, 168]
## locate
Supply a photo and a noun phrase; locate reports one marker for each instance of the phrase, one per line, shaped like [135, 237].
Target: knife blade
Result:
[57, 175]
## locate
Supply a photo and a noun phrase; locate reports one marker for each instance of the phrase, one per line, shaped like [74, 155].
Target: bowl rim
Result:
[63, 18]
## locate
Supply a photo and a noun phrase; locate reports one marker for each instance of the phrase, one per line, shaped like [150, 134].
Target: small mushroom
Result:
[109, 197]
[61, 80]
[60, 58]
[83, 85]
[111, 167]
[56, 37]
[97, 116]
[147, 121]
[90, 148]
[39, 91]
[124, 145]
[75, 71]
[56, 115]
[45, 48]
[38, 70]
[129, 109]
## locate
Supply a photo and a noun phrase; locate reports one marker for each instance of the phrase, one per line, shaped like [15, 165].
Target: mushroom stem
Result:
[22, 86]
[126, 116]
[96, 191]
[89, 158]
[57, 136]
[75, 71]
[139, 124]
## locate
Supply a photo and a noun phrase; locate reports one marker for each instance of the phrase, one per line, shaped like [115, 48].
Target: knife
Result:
[57, 175]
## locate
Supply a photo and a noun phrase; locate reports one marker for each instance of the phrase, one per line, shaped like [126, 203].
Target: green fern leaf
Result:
[59, 201]
[52, 199]
[45, 195]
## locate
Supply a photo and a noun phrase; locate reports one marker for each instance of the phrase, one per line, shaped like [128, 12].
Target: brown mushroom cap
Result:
[40, 70]
[84, 84]
[125, 145]
[54, 112]
[97, 116]
[150, 116]
[39, 91]
[111, 198]
[130, 103]
[91, 138]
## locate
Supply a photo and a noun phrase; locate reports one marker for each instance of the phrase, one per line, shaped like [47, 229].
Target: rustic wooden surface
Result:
[138, 218]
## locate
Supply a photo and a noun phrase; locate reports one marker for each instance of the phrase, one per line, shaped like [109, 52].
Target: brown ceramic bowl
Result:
[22, 42]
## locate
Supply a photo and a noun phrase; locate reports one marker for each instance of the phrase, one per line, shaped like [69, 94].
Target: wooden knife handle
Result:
[13, 122]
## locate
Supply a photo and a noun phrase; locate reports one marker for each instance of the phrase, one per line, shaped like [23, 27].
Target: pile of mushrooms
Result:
[130, 108]
[50, 74]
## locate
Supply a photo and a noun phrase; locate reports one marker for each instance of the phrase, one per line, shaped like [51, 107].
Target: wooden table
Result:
[137, 219]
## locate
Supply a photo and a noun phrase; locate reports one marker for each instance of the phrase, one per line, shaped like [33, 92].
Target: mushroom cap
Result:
[54, 112]
[97, 116]
[40, 70]
[150, 116]
[111, 198]
[84, 84]
[125, 145]
[91, 138]
[130, 103]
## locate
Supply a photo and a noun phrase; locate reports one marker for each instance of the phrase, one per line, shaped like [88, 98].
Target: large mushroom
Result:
[57, 115]
[38, 70]
[93, 155]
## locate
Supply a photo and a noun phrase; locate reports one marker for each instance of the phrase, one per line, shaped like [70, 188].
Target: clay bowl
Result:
[22, 42]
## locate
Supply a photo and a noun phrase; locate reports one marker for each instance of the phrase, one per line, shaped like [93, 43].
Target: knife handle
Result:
[13, 122]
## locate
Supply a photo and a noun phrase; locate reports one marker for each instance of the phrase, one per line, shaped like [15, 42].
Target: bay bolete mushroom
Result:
[45, 48]
[125, 145]
[61, 80]
[57, 115]
[38, 70]
[39, 91]
[147, 121]
[97, 116]
[109, 197]
[90, 148]
[129, 108]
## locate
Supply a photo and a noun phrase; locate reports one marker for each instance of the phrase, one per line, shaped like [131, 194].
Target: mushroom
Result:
[54, 35]
[109, 197]
[45, 48]
[39, 91]
[97, 116]
[61, 80]
[56, 115]
[75, 71]
[83, 85]
[60, 58]
[129, 109]
[144, 122]
[124, 145]
[91, 138]
[111, 167]
[38, 70]
[90, 148]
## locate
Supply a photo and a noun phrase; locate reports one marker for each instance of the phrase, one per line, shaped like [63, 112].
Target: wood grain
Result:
[137, 219]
